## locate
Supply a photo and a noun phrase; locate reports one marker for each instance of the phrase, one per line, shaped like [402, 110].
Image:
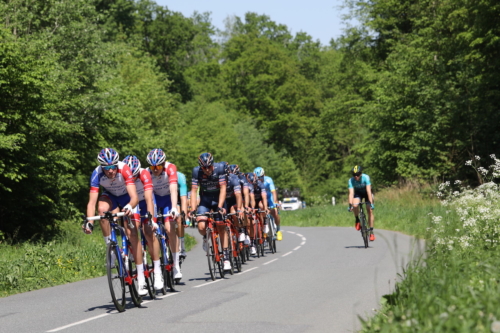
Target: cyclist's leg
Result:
[180, 233]
[355, 203]
[105, 204]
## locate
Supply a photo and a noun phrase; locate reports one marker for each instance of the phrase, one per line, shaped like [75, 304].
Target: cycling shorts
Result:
[210, 203]
[163, 204]
[362, 196]
[143, 209]
[119, 202]
[230, 202]
[270, 202]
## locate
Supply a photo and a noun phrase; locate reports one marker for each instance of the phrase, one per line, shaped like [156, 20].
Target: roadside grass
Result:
[454, 286]
[72, 257]
[405, 210]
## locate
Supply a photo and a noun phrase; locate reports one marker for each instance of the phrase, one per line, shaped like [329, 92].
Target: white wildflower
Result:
[477, 158]
[468, 163]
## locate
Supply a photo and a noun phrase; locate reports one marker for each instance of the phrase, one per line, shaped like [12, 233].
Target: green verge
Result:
[403, 211]
[455, 287]
[72, 257]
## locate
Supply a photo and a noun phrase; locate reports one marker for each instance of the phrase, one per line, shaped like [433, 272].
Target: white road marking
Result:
[81, 322]
[303, 242]
[287, 254]
[298, 247]
[270, 261]
[248, 270]
[104, 315]
[300, 235]
[291, 232]
[206, 284]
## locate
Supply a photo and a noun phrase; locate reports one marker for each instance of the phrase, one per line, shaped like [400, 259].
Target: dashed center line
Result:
[298, 247]
[287, 254]
[206, 284]
[270, 261]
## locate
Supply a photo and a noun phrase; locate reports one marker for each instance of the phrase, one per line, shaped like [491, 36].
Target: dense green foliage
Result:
[410, 94]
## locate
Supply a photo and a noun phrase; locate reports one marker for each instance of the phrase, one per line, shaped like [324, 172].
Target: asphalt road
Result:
[321, 280]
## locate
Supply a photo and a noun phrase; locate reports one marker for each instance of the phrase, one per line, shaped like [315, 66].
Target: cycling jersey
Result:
[115, 186]
[210, 185]
[181, 181]
[233, 186]
[269, 184]
[161, 183]
[360, 185]
[257, 189]
[143, 183]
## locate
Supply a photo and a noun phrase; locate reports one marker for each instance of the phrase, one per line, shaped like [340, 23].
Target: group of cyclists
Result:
[144, 193]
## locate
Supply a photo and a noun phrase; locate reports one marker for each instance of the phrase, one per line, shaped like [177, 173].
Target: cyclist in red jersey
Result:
[119, 192]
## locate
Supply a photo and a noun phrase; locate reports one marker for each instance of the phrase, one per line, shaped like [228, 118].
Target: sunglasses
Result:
[156, 167]
[109, 167]
[357, 174]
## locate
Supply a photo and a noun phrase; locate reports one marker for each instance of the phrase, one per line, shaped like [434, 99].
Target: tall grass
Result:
[72, 257]
[400, 209]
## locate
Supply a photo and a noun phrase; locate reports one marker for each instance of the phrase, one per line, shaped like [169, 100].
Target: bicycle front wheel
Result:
[132, 284]
[231, 249]
[364, 228]
[211, 255]
[116, 281]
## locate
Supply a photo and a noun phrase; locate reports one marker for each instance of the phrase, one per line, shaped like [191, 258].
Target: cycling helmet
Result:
[252, 178]
[108, 156]
[205, 160]
[226, 167]
[357, 169]
[234, 169]
[156, 157]
[259, 172]
[133, 163]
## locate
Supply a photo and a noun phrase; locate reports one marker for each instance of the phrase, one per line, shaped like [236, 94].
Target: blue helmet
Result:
[134, 164]
[108, 156]
[252, 178]
[259, 172]
[226, 167]
[156, 157]
[205, 160]
[234, 169]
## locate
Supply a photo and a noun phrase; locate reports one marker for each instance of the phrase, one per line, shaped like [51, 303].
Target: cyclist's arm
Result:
[264, 200]
[131, 190]
[222, 195]
[239, 200]
[246, 194]
[148, 196]
[92, 203]
[173, 194]
[275, 196]
[252, 200]
[194, 198]
[351, 196]
[369, 192]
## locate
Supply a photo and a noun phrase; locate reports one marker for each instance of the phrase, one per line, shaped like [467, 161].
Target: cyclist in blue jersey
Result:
[211, 178]
[258, 199]
[182, 207]
[234, 202]
[272, 198]
[360, 188]
[235, 170]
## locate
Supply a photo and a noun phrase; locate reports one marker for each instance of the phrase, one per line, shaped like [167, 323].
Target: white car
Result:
[291, 203]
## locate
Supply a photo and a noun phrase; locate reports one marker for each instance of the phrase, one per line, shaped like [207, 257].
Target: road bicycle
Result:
[258, 226]
[365, 230]
[120, 269]
[214, 247]
[166, 258]
[235, 245]
[148, 265]
[270, 236]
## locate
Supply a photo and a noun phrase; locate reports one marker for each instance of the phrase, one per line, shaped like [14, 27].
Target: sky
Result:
[320, 19]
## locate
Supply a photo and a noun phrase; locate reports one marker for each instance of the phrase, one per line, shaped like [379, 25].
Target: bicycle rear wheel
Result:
[170, 269]
[231, 249]
[116, 281]
[220, 263]
[270, 236]
[211, 255]
[133, 286]
[163, 264]
[364, 228]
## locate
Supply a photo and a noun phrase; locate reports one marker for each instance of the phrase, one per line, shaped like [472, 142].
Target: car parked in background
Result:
[292, 203]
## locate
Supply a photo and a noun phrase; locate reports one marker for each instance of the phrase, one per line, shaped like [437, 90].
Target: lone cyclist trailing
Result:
[360, 188]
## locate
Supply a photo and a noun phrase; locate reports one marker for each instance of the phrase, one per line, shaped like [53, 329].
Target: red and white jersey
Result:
[161, 184]
[116, 186]
[143, 183]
